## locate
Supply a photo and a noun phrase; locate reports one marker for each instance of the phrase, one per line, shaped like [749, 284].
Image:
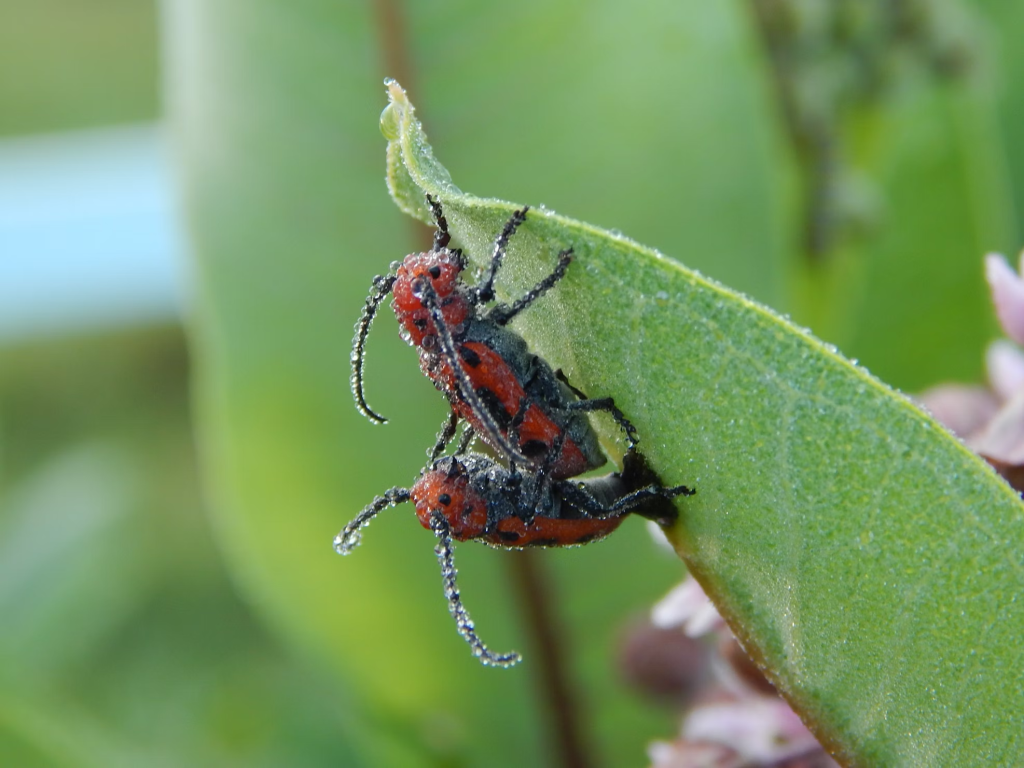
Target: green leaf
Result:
[863, 555]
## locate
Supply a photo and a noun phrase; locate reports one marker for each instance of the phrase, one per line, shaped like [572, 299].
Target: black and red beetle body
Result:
[484, 501]
[510, 397]
[473, 498]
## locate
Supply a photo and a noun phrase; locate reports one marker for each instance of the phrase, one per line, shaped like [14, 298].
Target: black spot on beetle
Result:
[544, 543]
[495, 407]
[534, 449]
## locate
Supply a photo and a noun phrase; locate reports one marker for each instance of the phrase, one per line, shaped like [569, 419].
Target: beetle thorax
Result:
[443, 269]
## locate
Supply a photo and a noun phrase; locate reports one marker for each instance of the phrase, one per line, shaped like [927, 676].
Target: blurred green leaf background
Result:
[840, 162]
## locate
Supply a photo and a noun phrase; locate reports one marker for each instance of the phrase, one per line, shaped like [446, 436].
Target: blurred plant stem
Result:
[391, 26]
[892, 130]
[538, 605]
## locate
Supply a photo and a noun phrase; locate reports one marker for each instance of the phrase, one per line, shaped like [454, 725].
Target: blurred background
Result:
[192, 208]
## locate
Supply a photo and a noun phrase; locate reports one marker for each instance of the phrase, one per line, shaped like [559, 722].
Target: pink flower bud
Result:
[962, 409]
[763, 730]
[1005, 364]
[1007, 294]
[688, 607]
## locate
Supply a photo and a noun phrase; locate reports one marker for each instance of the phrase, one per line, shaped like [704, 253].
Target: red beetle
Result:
[509, 396]
[471, 497]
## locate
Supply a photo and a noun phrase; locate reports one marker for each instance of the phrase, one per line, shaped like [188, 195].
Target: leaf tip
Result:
[396, 112]
[412, 168]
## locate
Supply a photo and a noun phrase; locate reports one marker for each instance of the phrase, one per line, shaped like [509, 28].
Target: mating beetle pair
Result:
[526, 412]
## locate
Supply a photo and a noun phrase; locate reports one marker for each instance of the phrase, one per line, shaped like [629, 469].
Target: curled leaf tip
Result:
[389, 123]
[412, 169]
[397, 93]
[398, 107]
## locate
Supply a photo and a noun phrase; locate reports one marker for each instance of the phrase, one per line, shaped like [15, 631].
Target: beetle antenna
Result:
[381, 287]
[351, 534]
[446, 557]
